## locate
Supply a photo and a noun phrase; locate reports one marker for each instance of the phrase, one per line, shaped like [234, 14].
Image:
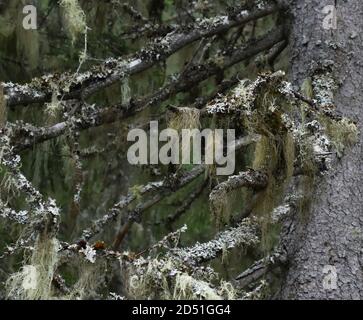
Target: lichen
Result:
[75, 18]
[219, 207]
[125, 91]
[260, 292]
[342, 133]
[3, 111]
[167, 278]
[91, 278]
[53, 108]
[184, 118]
[34, 280]
[188, 288]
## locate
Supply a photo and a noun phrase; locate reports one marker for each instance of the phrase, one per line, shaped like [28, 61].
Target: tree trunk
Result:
[331, 238]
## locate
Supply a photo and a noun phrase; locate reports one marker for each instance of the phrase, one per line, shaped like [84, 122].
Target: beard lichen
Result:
[184, 118]
[53, 108]
[125, 91]
[75, 18]
[34, 280]
[188, 288]
[342, 133]
[148, 280]
[218, 202]
[3, 111]
[167, 278]
[91, 277]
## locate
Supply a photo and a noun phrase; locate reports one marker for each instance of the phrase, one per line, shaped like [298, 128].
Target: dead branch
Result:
[82, 85]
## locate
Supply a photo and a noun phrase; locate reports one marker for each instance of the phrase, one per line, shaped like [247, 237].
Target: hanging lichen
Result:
[188, 288]
[267, 115]
[220, 207]
[342, 133]
[75, 18]
[3, 113]
[184, 118]
[7, 184]
[34, 280]
[163, 279]
[125, 91]
[275, 156]
[52, 108]
[149, 280]
[91, 278]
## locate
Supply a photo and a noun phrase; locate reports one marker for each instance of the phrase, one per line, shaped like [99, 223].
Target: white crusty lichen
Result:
[244, 235]
[89, 253]
[3, 109]
[184, 118]
[178, 274]
[8, 213]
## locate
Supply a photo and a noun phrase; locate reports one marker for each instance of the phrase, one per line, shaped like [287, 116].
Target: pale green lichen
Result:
[188, 288]
[75, 18]
[184, 118]
[53, 108]
[91, 278]
[34, 280]
[125, 91]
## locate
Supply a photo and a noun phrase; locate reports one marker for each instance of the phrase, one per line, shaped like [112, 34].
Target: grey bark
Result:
[333, 233]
